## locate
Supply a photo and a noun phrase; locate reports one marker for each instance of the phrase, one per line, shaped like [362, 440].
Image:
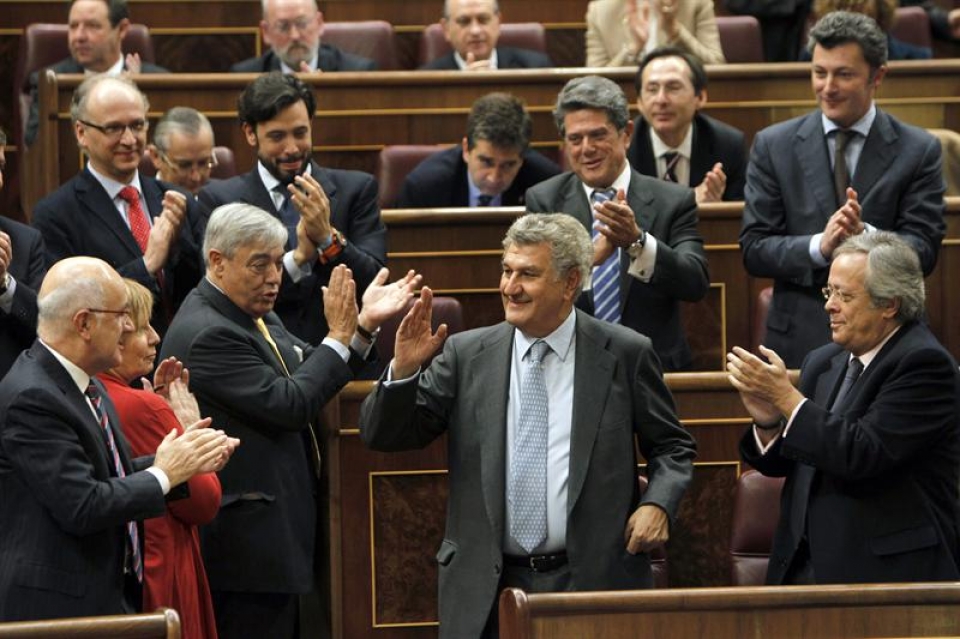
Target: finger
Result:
[381, 277]
[773, 357]
[198, 425]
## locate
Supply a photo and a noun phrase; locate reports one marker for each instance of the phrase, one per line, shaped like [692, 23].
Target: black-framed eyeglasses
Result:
[185, 166]
[122, 312]
[830, 291]
[284, 27]
[116, 129]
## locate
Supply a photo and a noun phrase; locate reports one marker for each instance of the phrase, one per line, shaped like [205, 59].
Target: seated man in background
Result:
[673, 140]
[492, 166]
[292, 29]
[472, 27]
[870, 441]
[182, 149]
[804, 197]
[621, 32]
[340, 208]
[148, 230]
[96, 30]
[885, 13]
[648, 252]
[22, 267]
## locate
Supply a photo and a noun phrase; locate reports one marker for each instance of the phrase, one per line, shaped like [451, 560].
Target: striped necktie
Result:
[606, 276]
[670, 174]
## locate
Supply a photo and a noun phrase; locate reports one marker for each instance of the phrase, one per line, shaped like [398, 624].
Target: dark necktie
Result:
[854, 368]
[289, 216]
[133, 534]
[484, 200]
[841, 176]
[671, 158]
[606, 276]
[527, 488]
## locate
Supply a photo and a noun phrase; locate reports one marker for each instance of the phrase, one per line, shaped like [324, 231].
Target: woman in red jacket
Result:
[173, 574]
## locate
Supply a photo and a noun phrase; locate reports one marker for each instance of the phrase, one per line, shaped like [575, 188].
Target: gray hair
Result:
[56, 308]
[571, 248]
[78, 104]
[182, 120]
[592, 92]
[446, 8]
[840, 27]
[233, 226]
[893, 272]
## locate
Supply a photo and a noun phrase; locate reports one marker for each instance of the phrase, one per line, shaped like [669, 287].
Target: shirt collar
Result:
[270, 182]
[622, 182]
[861, 126]
[475, 193]
[660, 147]
[559, 340]
[115, 69]
[77, 374]
[462, 64]
[111, 186]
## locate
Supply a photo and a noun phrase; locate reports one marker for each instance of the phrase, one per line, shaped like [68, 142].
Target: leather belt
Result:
[537, 563]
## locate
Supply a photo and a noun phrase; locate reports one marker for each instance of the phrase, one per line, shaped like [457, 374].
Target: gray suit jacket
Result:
[618, 394]
[789, 197]
[669, 213]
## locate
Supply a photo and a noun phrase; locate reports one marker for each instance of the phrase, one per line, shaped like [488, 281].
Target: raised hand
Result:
[416, 341]
[308, 197]
[844, 223]
[382, 301]
[614, 219]
[340, 305]
[713, 185]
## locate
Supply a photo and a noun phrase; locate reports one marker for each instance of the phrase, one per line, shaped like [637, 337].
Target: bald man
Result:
[69, 486]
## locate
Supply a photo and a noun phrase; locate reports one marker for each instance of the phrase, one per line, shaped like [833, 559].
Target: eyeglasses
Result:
[202, 165]
[284, 27]
[115, 130]
[122, 314]
[830, 291]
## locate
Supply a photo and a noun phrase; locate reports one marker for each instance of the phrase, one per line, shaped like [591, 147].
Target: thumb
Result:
[147, 386]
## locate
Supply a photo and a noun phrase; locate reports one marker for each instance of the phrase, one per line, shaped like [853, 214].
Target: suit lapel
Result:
[643, 156]
[877, 155]
[702, 152]
[829, 383]
[814, 159]
[232, 312]
[491, 413]
[574, 201]
[593, 374]
[257, 193]
[98, 205]
[645, 209]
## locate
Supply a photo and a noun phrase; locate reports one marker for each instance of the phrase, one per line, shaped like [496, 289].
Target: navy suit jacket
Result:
[619, 402]
[330, 58]
[18, 328]
[507, 58]
[713, 141]
[354, 212]
[63, 512]
[262, 540]
[873, 485]
[790, 196]
[67, 65]
[441, 181]
[669, 213]
[79, 218]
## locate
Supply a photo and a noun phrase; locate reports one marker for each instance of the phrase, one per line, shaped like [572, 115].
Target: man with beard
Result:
[338, 208]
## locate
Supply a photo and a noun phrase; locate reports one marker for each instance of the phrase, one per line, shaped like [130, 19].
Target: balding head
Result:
[82, 315]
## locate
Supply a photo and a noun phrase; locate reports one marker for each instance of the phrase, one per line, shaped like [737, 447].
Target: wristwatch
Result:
[637, 247]
[333, 249]
[5, 284]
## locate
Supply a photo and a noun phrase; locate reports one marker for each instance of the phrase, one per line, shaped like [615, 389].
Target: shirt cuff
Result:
[641, 266]
[295, 271]
[390, 381]
[814, 250]
[339, 348]
[6, 300]
[161, 477]
[360, 346]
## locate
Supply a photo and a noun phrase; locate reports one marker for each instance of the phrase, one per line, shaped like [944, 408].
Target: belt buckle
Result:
[537, 562]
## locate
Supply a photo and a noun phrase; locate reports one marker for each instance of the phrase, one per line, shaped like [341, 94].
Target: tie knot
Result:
[843, 136]
[484, 200]
[854, 368]
[129, 194]
[538, 350]
[599, 196]
[93, 392]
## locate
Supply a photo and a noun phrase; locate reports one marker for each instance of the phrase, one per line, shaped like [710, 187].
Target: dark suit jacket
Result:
[330, 58]
[441, 181]
[669, 213]
[67, 65]
[79, 218]
[64, 513]
[262, 540]
[713, 141]
[789, 197]
[18, 328]
[619, 395]
[507, 58]
[353, 211]
[877, 482]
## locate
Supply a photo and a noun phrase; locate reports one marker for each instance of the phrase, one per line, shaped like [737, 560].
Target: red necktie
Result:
[139, 225]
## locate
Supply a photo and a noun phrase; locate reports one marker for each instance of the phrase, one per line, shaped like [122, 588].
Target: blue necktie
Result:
[133, 534]
[527, 488]
[289, 216]
[606, 276]
[854, 368]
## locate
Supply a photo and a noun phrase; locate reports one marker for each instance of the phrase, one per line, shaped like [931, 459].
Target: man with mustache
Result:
[339, 208]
